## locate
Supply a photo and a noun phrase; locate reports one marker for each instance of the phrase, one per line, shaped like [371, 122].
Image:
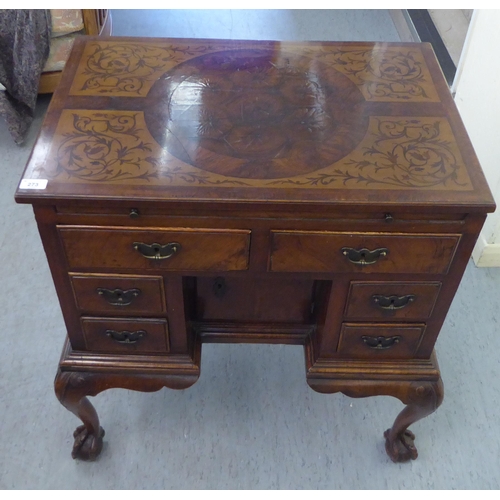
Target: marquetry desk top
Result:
[244, 121]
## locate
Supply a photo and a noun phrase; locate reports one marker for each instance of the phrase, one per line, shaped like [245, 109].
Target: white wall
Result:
[477, 87]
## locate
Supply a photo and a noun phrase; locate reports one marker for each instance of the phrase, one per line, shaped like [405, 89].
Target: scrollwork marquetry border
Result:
[116, 146]
[129, 69]
[396, 153]
[104, 147]
[384, 74]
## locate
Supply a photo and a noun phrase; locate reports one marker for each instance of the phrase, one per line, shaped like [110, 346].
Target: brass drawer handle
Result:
[156, 251]
[393, 302]
[118, 297]
[126, 337]
[363, 256]
[381, 342]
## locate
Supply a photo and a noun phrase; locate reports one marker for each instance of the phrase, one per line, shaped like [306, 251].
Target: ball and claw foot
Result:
[87, 446]
[402, 448]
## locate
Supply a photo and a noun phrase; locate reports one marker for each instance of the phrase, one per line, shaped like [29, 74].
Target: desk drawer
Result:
[295, 251]
[172, 249]
[118, 294]
[390, 301]
[380, 341]
[126, 335]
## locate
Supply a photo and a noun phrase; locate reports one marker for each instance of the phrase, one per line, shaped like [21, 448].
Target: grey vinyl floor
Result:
[250, 422]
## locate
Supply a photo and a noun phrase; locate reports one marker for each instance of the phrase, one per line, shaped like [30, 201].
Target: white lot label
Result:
[33, 184]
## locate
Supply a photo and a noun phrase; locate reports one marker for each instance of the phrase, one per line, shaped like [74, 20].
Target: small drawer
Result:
[170, 249]
[117, 294]
[380, 341]
[391, 301]
[295, 251]
[117, 335]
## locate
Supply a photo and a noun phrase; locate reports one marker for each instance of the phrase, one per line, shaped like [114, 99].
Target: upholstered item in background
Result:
[66, 21]
[68, 24]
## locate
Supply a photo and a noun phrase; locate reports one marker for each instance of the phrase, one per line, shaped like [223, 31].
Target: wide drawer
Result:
[397, 300]
[338, 252]
[380, 341]
[116, 294]
[173, 249]
[126, 335]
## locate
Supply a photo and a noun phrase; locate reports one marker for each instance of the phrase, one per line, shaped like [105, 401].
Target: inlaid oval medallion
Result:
[256, 114]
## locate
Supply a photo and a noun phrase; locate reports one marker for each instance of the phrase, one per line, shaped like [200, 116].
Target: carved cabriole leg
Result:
[423, 398]
[416, 383]
[71, 389]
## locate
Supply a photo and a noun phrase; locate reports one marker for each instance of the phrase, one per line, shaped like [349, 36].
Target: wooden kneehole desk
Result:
[192, 191]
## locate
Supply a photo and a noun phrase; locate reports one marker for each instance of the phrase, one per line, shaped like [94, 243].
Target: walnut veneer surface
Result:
[191, 191]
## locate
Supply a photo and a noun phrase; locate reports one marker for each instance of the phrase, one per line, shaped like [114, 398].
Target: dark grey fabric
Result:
[24, 48]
